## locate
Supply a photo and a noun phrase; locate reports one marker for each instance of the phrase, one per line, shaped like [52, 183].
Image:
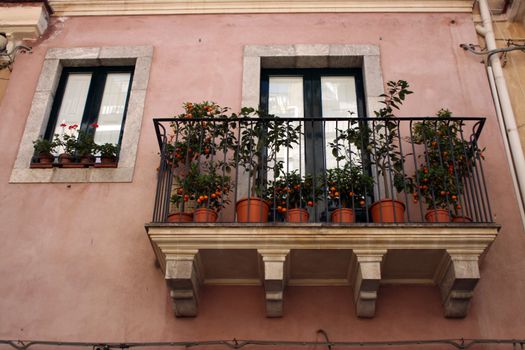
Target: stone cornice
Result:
[145, 7]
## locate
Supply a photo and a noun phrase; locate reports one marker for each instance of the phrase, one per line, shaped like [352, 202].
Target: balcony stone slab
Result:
[363, 256]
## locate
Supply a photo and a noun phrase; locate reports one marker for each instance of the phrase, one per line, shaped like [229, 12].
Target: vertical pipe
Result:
[517, 160]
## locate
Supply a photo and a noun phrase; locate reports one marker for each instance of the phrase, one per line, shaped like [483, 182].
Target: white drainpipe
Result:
[502, 100]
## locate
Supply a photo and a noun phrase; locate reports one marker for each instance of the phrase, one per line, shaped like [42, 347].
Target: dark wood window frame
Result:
[94, 97]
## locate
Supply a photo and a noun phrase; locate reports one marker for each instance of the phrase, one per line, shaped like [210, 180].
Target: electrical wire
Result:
[239, 344]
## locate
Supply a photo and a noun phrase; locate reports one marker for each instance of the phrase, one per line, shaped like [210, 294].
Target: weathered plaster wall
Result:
[75, 262]
[514, 70]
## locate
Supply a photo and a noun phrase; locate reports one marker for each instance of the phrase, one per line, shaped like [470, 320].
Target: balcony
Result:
[416, 208]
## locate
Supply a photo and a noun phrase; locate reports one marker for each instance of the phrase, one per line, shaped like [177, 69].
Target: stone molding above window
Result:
[55, 60]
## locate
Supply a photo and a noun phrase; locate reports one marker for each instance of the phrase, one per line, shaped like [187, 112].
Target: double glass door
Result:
[313, 96]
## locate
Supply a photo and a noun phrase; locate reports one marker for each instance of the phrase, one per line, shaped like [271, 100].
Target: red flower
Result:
[63, 125]
[95, 125]
[74, 126]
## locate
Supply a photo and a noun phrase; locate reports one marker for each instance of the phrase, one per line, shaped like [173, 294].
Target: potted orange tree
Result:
[261, 138]
[201, 136]
[347, 189]
[446, 160]
[377, 142]
[207, 187]
[291, 195]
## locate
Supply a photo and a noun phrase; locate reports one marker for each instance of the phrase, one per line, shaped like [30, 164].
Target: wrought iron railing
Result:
[378, 170]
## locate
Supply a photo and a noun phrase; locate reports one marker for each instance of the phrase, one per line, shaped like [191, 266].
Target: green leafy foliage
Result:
[448, 158]
[44, 146]
[348, 186]
[292, 190]
[205, 184]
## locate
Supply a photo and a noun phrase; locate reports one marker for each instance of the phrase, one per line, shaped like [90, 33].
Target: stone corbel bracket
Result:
[183, 279]
[274, 279]
[366, 277]
[457, 280]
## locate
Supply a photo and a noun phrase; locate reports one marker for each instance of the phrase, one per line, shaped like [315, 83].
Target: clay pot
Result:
[388, 210]
[46, 158]
[65, 158]
[68, 161]
[437, 215]
[108, 160]
[461, 219]
[252, 210]
[180, 217]
[87, 160]
[342, 215]
[297, 215]
[204, 215]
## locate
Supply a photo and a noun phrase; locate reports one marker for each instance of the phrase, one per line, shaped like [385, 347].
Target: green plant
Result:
[76, 142]
[107, 150]
[203, 184]
[202, 130]
[44, 146]
[260, 141]
[293, 191]
[348, 187]
[446, 160]
[376, 143]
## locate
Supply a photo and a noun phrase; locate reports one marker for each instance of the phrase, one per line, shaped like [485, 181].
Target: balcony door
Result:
[314, 96]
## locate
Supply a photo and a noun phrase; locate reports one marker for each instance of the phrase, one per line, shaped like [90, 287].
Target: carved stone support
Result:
[458, 282]
[366, 281]
[182, 278]
[274, 280]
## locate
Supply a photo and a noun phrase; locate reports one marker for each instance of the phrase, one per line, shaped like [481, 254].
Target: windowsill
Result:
[62, 175]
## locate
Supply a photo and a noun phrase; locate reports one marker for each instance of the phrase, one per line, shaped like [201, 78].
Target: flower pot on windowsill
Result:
[437, 215]
[68, 161]
[252, 209]
[107, 162]
[204, 215]
[87, 160]
[342, 216]
[297, 215]
[180, 217]
[45, 160]
[388, 211]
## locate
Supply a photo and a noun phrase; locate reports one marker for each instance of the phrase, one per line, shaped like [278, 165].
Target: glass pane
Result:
[112, 108]
[74, 101]
[285, 99]
[339, 99]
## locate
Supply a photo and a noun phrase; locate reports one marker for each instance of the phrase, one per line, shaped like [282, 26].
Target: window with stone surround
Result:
[258, 60]
[43, 117]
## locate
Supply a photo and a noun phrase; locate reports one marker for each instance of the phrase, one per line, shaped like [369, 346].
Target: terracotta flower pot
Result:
[252, 210]
[180, 217]
[297, 215]
[46, 158]
[68, 161]
[461, 219]
[43, 160]
[342, 215]
[388, 210]
[437, 215]
[204, 215]
[107, 162]
[87, 160]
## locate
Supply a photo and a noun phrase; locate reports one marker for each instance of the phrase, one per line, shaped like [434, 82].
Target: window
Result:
[308, 94]
[59, 63]
[86, 96]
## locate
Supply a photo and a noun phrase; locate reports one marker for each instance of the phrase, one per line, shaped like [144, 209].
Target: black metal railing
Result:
[381, 170]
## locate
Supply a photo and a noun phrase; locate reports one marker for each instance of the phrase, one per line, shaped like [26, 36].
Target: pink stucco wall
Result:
[75, 261]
